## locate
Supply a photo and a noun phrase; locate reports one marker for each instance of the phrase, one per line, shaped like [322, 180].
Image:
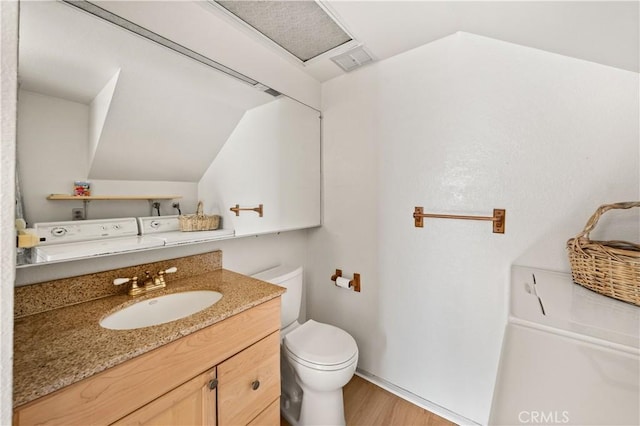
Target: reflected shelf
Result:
[66, 197]
[86, 198]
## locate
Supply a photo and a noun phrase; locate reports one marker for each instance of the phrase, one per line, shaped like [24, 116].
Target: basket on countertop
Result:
[611, 268]
[198, 221]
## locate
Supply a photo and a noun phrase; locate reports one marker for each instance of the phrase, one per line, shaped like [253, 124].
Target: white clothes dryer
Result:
[167, 228]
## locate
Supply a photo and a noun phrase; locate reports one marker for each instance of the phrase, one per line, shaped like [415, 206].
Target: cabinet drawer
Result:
[249, 382]
[270, 415]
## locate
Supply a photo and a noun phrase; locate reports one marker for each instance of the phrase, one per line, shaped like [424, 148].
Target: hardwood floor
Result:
[366, 404]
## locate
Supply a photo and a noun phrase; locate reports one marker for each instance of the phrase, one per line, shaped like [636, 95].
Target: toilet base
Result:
[290, 410]
[291, 393]
[321, 408]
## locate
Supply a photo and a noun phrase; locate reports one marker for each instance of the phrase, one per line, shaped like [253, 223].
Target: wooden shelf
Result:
[111, 197]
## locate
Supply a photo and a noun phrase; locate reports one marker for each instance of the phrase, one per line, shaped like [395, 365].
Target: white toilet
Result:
[317, 359]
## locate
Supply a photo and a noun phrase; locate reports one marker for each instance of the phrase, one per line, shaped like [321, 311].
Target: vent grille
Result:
[302, 28]
[353, 59]
[267, 89]
[273, 92]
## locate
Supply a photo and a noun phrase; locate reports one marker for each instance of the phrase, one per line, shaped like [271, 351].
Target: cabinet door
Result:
[192, 403]
[270, 415]
[249, 382]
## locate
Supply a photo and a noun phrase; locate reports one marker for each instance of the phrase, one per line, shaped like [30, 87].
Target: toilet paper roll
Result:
[342, 282]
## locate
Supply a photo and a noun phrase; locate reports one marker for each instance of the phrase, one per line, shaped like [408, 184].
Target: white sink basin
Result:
[160, 310]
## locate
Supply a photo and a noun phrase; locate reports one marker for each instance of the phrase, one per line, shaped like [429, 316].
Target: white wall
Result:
[8, 93]
[53, 146]
[271, 161]
[462, 125]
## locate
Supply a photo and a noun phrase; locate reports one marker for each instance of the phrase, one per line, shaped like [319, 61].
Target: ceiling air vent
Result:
[267, 89]
[302, 28]
[353, 59]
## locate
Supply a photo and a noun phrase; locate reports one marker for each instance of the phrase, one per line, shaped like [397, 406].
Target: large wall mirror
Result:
[99, 103]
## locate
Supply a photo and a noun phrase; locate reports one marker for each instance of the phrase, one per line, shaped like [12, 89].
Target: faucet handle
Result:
[160, 277]
[134, 289]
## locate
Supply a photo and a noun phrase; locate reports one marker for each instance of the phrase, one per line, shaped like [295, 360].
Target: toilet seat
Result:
[321, 346]
[320, 367]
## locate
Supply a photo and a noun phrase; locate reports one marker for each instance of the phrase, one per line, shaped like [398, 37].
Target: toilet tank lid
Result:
[321, 344]
[278, 274]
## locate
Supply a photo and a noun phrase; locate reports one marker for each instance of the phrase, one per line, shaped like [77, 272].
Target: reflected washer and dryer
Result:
[569, 355]
[167, 228]
[69, 240]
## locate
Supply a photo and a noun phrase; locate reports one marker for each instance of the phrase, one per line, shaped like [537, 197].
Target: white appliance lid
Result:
[571, 309]
[321, 344]
[94, 248]
[179, 237]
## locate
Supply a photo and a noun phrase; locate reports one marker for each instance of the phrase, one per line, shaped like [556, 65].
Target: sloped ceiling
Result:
[167, 116]
[605, 32]
[57, 61]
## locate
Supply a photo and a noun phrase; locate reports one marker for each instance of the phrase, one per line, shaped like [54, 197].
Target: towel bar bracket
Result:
[498, 218]
[237, 209]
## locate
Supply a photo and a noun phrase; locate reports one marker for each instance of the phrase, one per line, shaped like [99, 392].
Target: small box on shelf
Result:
[81, 188]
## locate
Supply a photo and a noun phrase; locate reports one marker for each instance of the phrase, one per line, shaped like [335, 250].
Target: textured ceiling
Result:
[604, 32]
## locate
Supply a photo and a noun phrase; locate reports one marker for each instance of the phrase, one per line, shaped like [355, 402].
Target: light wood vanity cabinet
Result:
[192, 403]
[225, 374]
[249, 381]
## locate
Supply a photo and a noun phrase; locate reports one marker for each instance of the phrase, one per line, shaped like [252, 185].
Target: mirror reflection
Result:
[101, 104]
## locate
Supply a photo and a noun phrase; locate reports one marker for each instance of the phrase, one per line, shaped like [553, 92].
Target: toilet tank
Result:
[289, 277]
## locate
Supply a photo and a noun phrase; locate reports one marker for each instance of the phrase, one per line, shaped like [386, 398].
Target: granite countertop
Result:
[56, 348]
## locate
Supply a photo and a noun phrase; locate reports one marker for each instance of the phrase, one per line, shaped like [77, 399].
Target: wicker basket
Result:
[611, 268]
[198, 221]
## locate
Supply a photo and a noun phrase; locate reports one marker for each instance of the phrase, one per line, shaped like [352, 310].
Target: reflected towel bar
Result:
[237, 209]
[498, 218]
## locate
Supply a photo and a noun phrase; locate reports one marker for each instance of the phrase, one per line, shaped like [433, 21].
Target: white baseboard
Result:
[415, 399]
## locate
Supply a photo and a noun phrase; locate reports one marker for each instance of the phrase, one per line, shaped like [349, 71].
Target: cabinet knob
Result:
[255, 384]
[213, 384]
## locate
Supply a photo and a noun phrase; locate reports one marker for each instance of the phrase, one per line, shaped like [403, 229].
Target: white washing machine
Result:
[167, 228]
[88, 238]
[569, 356]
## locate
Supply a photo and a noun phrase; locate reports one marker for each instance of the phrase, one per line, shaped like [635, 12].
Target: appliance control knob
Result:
[155, 224]
[116, 226]
[58, 231]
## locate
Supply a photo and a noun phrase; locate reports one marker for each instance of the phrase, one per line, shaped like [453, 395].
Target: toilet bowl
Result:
[317, 359]
[324, 359]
